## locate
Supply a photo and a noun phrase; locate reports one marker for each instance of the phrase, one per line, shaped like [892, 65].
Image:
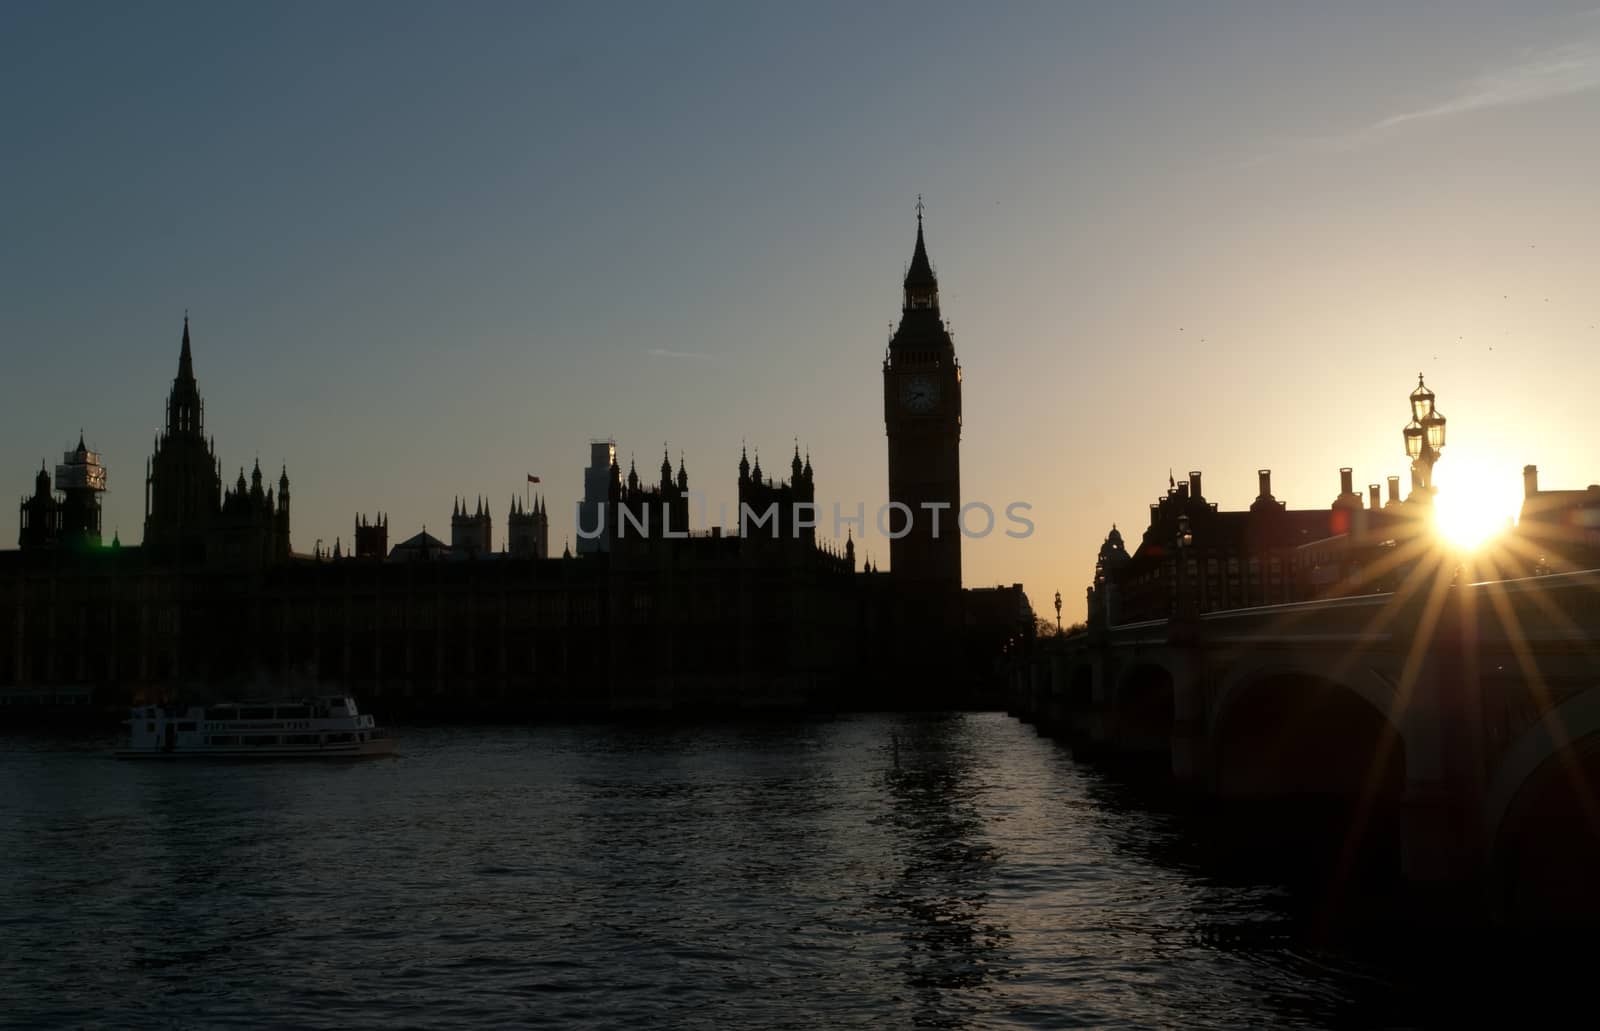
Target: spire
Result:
[666, 467]
[744, 463]
[185, 359]
[919, 276]
[796, 470]
[808, 464]
[683, 474]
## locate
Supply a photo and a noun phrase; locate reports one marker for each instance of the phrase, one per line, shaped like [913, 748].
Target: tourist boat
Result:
[325, 727]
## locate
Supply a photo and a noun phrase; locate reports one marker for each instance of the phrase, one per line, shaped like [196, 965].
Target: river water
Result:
[863, 871]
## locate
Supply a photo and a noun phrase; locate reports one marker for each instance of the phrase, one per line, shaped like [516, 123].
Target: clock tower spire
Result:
[922, 417]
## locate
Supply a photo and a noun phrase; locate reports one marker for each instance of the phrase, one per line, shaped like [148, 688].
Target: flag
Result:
[532, 478]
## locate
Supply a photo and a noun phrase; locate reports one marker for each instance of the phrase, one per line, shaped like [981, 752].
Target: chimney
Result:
[1346, 481]
[1265, 478]
[1155, 513]
[1394, 490]
[1183, 489]
[1375, 494]
[1194, 484]
[1530, 480]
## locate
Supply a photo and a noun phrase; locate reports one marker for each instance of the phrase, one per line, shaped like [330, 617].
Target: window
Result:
[223, 739]
[184, 727]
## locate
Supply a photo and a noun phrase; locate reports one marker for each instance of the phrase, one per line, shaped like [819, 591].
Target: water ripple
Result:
[869, 871]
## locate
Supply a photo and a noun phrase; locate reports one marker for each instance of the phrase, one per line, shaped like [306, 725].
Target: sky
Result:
[430, 249]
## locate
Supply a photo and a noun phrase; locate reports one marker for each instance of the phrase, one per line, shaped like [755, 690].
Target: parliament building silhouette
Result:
[656, 615]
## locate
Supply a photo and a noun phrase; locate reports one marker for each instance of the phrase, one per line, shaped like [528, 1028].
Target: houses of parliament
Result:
[215, 601]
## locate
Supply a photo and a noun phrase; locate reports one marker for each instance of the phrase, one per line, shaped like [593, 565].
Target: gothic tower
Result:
[922, 415]
[183, 484]
[528, 529]
[81, 479]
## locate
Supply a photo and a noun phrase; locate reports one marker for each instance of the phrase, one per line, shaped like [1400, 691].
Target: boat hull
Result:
[355, 750]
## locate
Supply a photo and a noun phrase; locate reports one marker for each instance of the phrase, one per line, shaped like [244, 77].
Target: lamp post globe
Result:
[1424, 437]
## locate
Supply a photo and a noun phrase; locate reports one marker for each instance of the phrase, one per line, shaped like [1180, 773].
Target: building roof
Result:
[423, 545]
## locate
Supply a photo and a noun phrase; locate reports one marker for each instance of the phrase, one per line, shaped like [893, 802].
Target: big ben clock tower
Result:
[922, 415]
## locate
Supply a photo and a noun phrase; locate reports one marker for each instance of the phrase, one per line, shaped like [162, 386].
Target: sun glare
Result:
[1474, 504]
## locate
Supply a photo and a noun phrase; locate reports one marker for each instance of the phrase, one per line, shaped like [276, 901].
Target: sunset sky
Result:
[428, 250]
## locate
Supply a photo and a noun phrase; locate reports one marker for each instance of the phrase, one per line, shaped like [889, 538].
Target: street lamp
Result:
[1058, 612]
[1424, 436]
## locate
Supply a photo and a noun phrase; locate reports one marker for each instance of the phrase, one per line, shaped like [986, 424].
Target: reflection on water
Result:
[882, 871]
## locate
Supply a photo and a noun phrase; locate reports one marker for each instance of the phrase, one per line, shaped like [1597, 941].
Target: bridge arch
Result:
[1542, 819]
[1310, 770]
[1145, 704]
[1280, 728]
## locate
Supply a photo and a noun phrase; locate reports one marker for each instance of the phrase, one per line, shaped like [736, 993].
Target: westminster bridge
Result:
[1464, 716]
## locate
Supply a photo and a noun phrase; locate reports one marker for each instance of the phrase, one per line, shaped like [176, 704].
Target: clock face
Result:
[919, 394]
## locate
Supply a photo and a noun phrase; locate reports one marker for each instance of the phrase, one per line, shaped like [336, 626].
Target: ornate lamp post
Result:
[1058, 612]
[1424, 436]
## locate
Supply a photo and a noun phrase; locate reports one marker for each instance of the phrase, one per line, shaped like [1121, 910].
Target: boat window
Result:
[259, 712]
[186, 726]
[260, 739]
[224, 739]
[293, 712]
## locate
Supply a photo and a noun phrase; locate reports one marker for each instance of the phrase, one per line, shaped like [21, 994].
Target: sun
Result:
[1474, 504]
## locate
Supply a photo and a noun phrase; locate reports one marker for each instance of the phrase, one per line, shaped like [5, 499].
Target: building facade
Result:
[652, 612]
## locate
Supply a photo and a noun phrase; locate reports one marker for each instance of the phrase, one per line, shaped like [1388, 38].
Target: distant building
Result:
[1559, 530]
[653, 612]
[39, 516]
[81, 479]
[528, 529]
[1267, 554]
[372, 537]
[471, 533]
[596, 495]
[183, 481]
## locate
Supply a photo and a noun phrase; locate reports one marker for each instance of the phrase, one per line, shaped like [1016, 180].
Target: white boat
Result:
[326, 727]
